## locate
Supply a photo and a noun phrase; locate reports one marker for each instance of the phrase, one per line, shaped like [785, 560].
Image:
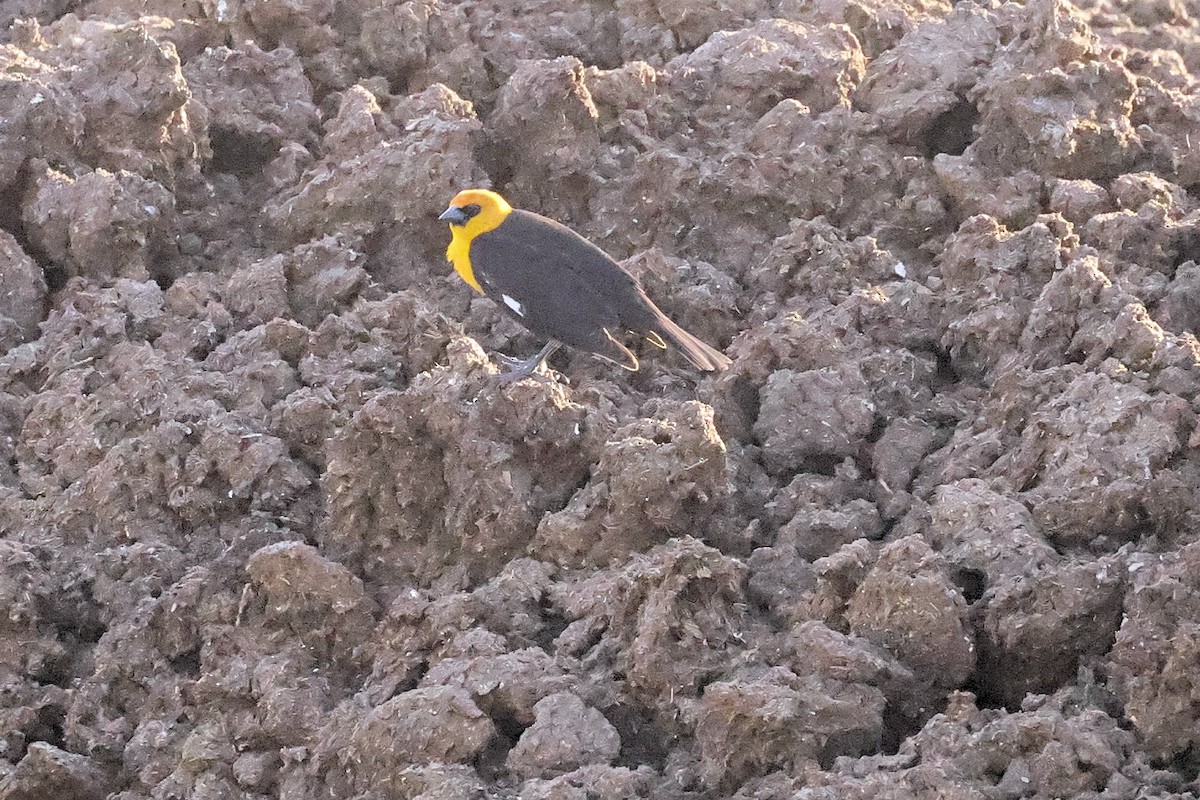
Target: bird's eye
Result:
[471, 210]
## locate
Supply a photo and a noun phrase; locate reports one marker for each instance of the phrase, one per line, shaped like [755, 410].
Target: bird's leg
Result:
[521, 368]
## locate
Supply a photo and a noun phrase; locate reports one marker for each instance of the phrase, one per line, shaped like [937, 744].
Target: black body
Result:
[571, 291]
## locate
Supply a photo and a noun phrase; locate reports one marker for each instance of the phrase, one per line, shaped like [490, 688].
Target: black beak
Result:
[454, 215]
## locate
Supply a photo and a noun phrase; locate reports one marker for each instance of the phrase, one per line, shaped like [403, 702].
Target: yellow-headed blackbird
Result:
[557, 284]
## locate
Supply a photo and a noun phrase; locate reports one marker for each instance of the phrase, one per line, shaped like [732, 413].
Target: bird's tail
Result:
[700, 354]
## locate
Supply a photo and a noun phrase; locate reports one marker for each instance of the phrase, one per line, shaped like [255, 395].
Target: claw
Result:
[523, 368]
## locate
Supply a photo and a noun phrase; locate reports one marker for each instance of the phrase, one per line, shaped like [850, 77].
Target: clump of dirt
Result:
[271, 527]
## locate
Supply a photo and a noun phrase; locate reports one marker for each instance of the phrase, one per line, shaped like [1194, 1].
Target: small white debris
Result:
[513, 304]
[37, 99]
[222, 10]
[900, 269]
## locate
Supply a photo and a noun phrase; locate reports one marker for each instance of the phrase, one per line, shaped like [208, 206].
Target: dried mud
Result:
[270, 528]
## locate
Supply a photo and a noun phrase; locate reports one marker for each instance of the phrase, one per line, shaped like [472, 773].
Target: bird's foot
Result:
[518, 368]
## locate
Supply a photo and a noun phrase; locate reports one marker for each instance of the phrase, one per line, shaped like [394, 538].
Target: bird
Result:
[558, 285]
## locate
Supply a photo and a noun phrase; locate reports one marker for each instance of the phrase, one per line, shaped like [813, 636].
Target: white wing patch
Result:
[513, 304]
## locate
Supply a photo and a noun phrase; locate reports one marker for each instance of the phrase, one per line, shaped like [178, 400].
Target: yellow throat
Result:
[493, 210]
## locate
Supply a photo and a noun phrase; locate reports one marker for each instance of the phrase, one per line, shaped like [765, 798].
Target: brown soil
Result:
[270, 527]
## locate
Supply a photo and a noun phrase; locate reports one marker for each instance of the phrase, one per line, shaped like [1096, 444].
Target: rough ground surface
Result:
[269, 528]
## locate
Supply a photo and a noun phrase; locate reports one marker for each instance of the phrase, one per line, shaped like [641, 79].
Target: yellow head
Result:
[471, 212]
[475, 211]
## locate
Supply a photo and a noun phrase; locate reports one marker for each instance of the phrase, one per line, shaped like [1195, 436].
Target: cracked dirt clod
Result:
[269, 527]
[655, 478]
[565, 736]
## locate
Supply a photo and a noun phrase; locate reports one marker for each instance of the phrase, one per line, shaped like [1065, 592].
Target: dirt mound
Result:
[270, 526]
